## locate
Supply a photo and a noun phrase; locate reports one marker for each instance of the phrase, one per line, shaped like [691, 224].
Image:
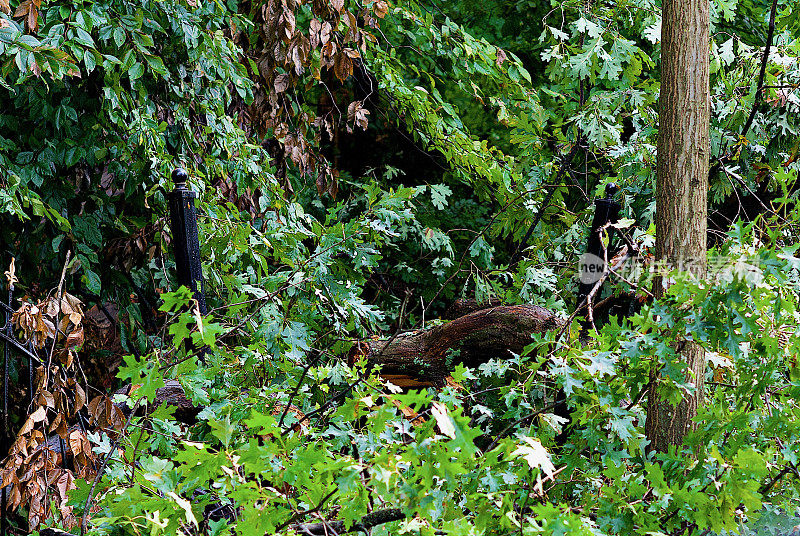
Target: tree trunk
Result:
[682, 188]
[426, 357]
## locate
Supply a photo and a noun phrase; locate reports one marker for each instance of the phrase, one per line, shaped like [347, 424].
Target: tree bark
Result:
[373, 519]
[426, 357]
[681, 189]
[464, 306]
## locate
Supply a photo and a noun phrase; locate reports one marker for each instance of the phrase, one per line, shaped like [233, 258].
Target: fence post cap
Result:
[180, 177]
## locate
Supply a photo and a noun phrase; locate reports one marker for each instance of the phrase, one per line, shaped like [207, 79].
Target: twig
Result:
[298, 515]
[133, 456]
[763, 70]
[769, 485]
[310, 364]
[545, 202]
[88, 504]
[519, 421]
[59, 296]
[327, 404]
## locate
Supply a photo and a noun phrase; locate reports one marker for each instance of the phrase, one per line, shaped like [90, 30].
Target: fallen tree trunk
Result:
[373, 519]
[426, 357]
[414, 359]
[464, 306]
[418, 358]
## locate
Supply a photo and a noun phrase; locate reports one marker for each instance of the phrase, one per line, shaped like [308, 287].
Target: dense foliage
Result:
[361, 164]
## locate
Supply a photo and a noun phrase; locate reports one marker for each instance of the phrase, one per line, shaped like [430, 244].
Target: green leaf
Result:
[90, 280]
[119, 36]
[439, 195]
[88, 60]
[223, 429]
[174, 301]
[146, 374]
[136, 71]
[156, 64]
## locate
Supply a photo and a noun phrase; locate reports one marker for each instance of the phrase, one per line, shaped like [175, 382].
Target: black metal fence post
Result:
[183, 221]
[593, 262]
[592, 266]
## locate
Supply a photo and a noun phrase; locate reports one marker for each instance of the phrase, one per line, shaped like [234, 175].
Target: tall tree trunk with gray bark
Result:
[682, 189]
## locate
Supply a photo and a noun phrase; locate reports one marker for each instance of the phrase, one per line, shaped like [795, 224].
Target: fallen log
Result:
[172, 394]
[426, 357]
[464, 306]
[373, 519]
[420, 358]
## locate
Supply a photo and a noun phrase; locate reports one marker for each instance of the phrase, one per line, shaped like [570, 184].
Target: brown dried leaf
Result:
[56, 422]
[361, 118]
[22, 9]
[28, 10]
[45, 398]
[65, 483]
[75, 302]
[282, 82]
[357, 114]
[11, 272]
[49, 307]
[313, 32]
[287, 17]
[333, 182]
[16, 497]
[63, 324]
[108, 408]
[80, 397]
[75, 338]
[95, 409]
[37, 438]
[342, 67]
[20, 445]
[381, 8]
[409, 413]
[321, 182]
[117, 419]
[67, 357]
[325, 33]
[451, 382]
[501, 57]
[75, 440]
[9, 476]
[352, 23]
[39, 415]
[27, 427]
[44, 329]
[87, 449]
